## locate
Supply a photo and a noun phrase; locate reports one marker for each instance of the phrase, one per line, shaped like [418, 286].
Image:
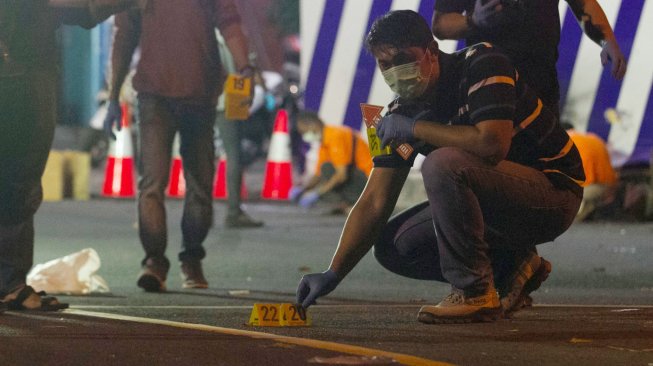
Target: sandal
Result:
[47, 303]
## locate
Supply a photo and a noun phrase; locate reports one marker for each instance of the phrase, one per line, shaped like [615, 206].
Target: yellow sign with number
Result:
[375, 143]
[237, 97]
[294, 315]
[278, 315]
[371, 117]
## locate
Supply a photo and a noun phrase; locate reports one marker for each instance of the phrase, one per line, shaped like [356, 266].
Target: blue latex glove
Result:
[114, 116]
[486, 13]
[308, 199]
[270, 102]
[295, 193]
[316, 285]
[395, 127]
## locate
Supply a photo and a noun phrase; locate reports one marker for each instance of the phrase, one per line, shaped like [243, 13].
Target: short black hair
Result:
[399, 29]
[309, 117]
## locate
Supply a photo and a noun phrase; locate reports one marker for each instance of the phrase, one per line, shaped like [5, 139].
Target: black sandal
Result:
[48, 303]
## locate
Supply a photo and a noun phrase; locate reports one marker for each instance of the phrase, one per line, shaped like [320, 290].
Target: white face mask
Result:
[407, 80]
[311, 137]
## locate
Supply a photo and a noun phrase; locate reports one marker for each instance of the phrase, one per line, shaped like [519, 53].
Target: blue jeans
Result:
[160, 118]
[479, 222]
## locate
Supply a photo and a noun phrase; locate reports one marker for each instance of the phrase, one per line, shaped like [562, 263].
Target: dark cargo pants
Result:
[479, 222]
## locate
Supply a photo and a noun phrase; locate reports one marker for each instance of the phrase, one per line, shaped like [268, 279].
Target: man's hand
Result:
[308, 199]
[612, 53]
[114, 115]
[295, 193]
[249, 72]
[395, 127]
[316, 285]
[486, 13]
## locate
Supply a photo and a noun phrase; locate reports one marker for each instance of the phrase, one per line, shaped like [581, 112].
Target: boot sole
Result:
[151, 283]
[482, 316]
[531, 285]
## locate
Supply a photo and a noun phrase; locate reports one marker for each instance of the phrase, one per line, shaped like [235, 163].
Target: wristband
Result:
[248, 70]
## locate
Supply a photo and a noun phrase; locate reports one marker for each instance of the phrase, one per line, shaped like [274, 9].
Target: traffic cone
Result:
[220, 191]
[119, 175]
[177, 182]
[278, 170]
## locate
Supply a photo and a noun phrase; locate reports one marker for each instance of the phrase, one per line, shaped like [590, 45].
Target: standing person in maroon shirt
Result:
[178, 79]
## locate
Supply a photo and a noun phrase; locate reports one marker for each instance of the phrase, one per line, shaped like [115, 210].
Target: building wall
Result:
[338, 74]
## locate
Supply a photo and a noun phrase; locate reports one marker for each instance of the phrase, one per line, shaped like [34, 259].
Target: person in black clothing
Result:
[529, 32]
[500, 174]
[28, 100]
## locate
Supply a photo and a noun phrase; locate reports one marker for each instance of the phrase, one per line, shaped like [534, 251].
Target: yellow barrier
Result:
[67, 174]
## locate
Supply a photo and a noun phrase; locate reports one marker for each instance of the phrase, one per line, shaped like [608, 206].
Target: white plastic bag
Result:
[73, 274]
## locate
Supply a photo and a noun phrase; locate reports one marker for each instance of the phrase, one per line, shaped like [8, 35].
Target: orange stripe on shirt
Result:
[490, 81]
[577, 181]
[523, 124]
[562, 152]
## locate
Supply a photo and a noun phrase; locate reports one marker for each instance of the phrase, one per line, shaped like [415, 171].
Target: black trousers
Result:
[27, 121]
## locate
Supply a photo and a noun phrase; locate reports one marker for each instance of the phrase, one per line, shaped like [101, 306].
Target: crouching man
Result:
[500, 174]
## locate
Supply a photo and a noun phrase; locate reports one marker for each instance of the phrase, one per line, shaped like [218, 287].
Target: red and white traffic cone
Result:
[119, 174]
[177, 182]
[278, 169]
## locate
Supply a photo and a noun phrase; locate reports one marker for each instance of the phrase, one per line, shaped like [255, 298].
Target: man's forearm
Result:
[238, 45]
[489, 140]
[361, 230]
[125, 42]
[451, 26]
[339, 177]
[312, 182]
[368, 217]
[592, 20]
[118, 75]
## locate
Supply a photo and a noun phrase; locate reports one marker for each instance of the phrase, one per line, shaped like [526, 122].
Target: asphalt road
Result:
[595, 309]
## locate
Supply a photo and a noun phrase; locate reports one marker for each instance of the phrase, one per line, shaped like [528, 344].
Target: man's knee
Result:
[442, 162]
[19, 204]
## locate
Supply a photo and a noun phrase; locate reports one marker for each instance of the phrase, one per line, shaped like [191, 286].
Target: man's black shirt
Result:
[480, 83]
[530, 36]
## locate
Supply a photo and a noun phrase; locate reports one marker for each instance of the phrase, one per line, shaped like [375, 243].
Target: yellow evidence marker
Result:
[279, 315]
[237, 91]
[371, 116]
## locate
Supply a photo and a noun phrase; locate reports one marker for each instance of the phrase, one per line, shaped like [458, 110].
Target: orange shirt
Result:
[336, 148]
[596, 160]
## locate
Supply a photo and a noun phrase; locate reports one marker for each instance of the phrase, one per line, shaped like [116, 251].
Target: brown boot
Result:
[458, 308]
[153, 275]
[528, 277]
[192, 275]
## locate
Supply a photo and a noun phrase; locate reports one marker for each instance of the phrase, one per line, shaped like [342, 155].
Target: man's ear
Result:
[434, 48]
